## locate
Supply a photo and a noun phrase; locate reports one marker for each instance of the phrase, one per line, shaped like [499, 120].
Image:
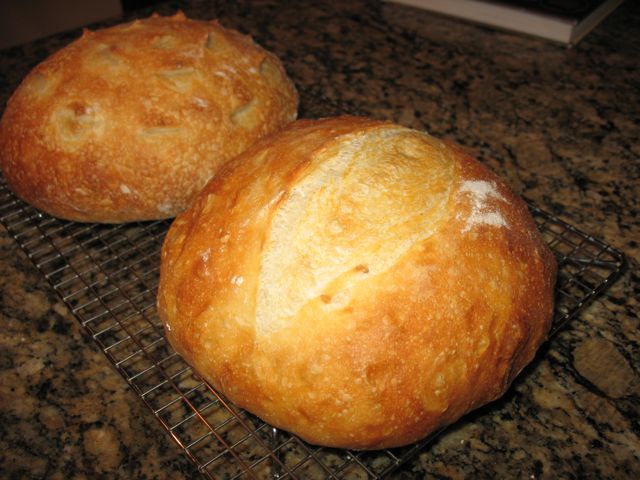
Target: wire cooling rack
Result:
[108, 276]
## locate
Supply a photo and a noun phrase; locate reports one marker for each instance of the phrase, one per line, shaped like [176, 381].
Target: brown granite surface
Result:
[561, 125]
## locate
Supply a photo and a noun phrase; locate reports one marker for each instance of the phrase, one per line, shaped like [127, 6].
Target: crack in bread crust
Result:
[333, 218]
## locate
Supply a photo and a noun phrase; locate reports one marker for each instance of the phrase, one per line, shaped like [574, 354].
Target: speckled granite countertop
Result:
[561, 125]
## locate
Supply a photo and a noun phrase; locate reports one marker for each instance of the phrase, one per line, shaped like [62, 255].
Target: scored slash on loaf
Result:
[357, 283]
[129, 122]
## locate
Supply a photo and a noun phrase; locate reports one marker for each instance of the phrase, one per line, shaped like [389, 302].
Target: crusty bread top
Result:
[335, 217]
[129, 122]
[355, 282]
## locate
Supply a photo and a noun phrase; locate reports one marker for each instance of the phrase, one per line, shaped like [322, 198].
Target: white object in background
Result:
[526, 17]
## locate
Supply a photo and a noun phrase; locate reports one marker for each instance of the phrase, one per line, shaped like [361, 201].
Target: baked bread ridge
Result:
[129, 122]
[394, 339]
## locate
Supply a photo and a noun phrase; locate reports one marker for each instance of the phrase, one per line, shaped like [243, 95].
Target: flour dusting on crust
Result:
[483, 195]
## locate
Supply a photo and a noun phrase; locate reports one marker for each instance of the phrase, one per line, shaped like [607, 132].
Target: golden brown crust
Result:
[367, 354]
[129, 122]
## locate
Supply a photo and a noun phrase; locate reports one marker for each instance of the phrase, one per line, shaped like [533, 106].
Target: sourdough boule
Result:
[357, 283]
[129, 122]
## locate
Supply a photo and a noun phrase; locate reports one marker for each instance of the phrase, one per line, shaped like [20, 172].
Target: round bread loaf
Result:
[357, 283]
[129, 122]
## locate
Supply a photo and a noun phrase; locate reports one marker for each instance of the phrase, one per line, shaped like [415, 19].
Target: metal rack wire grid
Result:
[108, 275]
